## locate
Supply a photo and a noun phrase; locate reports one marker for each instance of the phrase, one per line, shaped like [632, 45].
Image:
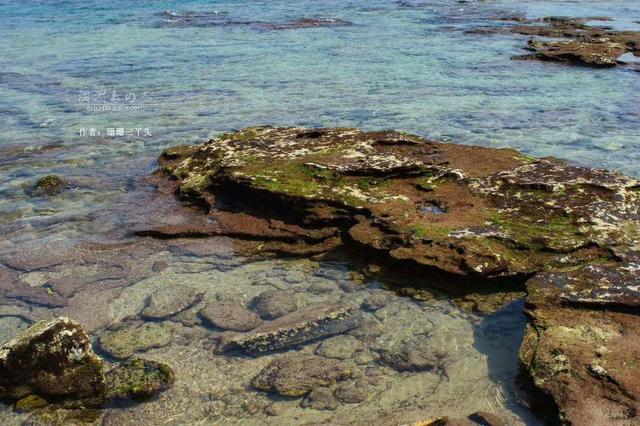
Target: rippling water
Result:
[210, 66]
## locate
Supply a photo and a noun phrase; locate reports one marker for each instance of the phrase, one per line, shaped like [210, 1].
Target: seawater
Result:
[94, 90]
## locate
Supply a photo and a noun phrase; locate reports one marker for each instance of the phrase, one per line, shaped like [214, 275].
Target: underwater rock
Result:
[295, 375]
[273, 304]
[48, 185]
[352, 392]
[167, 302]
[375, 301]
[126, 340]
[486, 419]
[340, 347]
[320, 399]
[230, 315]
[409, 356]
[51, 359]
[307, 324]
[139, 379]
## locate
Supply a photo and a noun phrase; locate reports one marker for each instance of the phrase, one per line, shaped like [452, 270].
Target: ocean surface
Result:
[93, 90]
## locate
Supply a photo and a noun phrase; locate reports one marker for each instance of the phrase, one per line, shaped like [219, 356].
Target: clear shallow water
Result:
[406, 65]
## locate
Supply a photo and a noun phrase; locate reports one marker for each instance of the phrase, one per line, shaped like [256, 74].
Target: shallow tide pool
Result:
[92, 91]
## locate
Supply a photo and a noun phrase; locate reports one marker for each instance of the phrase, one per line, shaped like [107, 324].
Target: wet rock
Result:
[376, 301]
[320, 399]
[503, 217]
[230, 315]
[506, 215]
[484, 418]
[51, 359]
[304, 325]
[321, 288]
[139, 379]
[127, 340]
[296, 375]
[30, 403]
[274, 303]
[413, 356]
[582, 342]
[352, 392]
[63, 417]
[167, 302]
[48, 185]
[340, 347]
[586, 45]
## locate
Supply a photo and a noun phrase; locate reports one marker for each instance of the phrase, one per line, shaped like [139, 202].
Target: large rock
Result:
[125, 340]
[168, 302]
[467, 216]
[304, 325]
[230, 315]
[582, 346]
[469, 212]
[296, 375]
[576, 42]
[51, 359]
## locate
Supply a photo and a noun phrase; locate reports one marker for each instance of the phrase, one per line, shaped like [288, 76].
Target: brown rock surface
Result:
[470, 217]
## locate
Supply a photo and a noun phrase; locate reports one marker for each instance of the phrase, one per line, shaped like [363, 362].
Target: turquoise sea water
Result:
[402, 64]
[207, 67]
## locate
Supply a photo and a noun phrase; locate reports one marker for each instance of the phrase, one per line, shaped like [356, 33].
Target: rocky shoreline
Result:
[469, 217]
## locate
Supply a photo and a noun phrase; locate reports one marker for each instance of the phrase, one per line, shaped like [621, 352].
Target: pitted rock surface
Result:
[54, 359]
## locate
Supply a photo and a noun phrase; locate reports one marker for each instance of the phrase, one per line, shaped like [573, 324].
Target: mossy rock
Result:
[129, 339]
[139, 379]
[48, 185]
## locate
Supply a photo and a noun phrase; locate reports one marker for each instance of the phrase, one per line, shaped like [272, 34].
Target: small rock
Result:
[351, 393]
[321, 288]
[295, 375]
[409, 356]
[368, 327]
[339, 347]
[51, 359]
[486, 419]
[376, 301]
[48, 185]
[139, 379]
[167, 302]
[310, 323]
[320, 399]
[124, 342]
[273, 304]
[30, 403]
[230, 315]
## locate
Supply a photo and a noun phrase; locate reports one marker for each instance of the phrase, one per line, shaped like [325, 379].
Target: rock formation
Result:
[466, 217]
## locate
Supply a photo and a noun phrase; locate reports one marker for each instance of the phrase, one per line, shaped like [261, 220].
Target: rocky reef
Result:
[577, 43]
[461, 218]
[51, 365]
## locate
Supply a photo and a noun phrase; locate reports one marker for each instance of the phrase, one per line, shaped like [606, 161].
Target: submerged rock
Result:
[296, 375]
[125, 341]
[51, 359]
[304, 325]
[320, 399]
[273, 304]
[168, 302]
[139, 379]
[230, 315]
[48, 185]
